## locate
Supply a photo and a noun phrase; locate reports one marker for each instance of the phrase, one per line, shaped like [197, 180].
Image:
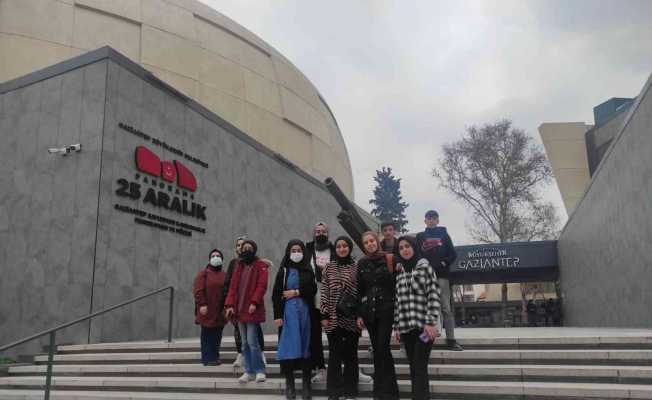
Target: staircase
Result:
[538, 363]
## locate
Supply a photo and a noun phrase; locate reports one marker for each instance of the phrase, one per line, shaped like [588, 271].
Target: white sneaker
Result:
[260, 377]
[238, 361]
[364, 378]
[246, 378]
[319, 377]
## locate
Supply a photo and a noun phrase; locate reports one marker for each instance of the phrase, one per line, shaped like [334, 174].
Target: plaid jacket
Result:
[417, 297]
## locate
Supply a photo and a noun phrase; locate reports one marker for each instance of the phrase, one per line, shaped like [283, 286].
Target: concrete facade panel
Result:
[262, 92]
[304, 115]
[170, 52]
[39, 19]
[222, 103]
[50, 224]
[222, 74]
[604, 248]
[170, 18]
[94, 29]
[130, 9]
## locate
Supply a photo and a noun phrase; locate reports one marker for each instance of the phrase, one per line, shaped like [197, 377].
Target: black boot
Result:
[307, 385]
[453, 345]
[290, 390]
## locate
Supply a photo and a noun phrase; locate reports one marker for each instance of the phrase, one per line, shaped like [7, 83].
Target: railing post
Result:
[171, 315]
[48, 375]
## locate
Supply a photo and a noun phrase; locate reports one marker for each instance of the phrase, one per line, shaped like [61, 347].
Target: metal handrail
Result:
[52, 331]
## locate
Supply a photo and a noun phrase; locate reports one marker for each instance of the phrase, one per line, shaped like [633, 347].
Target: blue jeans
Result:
[251, 350]
[211, 339]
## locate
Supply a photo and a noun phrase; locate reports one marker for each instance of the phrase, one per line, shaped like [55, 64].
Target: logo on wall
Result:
[150, 163]
[489, 259]
[167, 185]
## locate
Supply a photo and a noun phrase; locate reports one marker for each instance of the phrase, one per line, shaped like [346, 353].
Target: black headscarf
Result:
[219, 267]
[348, 260]
[249, 260]
[412, 262]
[288, 263]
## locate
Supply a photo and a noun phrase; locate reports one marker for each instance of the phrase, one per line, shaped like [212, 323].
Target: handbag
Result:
[347, 306]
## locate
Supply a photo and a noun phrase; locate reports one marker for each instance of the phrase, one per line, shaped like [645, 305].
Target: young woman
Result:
[208, 289]
[416, 313]
[245, 303]
[239, 362]
[293, 297]
[376, 287]
[339, 285]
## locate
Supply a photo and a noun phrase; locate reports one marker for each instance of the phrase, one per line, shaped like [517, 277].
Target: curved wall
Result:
[198, 51]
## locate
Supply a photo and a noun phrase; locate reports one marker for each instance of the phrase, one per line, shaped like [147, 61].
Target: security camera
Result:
[65, 150]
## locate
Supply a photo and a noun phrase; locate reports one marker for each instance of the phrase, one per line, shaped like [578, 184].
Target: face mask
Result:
[247, 256]
[216, 261]
[296, 257]
[321, 239]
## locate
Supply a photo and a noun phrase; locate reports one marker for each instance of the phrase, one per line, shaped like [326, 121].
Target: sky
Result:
[405, 77]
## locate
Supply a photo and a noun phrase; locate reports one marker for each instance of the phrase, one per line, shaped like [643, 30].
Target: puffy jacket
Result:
[254, 288]
[208, 290]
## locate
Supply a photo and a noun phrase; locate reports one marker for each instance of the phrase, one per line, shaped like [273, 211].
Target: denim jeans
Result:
[211, 338]
[251, 350]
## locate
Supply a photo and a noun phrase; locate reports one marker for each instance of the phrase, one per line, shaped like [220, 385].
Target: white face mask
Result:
[216, 261]
[296, 257]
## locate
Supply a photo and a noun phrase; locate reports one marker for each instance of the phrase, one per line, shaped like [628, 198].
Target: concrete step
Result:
[548, 357]
[524, 343]
[440, 389]
[486, 372]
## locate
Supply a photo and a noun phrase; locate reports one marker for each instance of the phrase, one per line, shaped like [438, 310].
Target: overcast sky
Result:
[405, 77]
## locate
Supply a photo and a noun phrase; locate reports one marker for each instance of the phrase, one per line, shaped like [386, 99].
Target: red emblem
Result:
[149, 163]
[185, 178]
[168, 171]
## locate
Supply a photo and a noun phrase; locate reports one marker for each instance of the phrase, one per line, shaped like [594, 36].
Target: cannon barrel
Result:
[349, 217]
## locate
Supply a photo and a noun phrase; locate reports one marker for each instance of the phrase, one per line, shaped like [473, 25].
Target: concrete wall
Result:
[200, 52]
[599, 138]
[67, 250]
[604, 250]
[48, 204]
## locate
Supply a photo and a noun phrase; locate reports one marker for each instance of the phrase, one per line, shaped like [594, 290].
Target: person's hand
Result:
[360, 323]
[288, 294]
[203, 310]
[325, 323]
[397, 336]
[431, 331]
[278, 323]
[229, 313]
[252, 309]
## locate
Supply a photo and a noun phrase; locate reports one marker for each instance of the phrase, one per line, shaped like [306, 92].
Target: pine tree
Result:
[388, 201]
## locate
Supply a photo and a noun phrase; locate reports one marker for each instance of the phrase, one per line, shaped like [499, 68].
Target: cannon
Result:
[349, 217]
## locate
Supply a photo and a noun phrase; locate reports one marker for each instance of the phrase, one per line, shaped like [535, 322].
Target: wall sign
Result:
[164, 186]
[505, 262]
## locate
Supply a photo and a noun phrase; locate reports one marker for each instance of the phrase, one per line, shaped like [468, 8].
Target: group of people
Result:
[399, 289]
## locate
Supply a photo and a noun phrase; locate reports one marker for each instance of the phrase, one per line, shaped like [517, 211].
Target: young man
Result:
[437, 247]
[389, 243]
[320, 252]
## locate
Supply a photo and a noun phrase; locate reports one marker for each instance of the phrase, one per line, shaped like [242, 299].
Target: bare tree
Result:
[497, 171]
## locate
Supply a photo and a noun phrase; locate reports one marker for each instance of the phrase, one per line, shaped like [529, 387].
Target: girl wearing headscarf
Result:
[339, 284]
[293, 298]
[417, 312]
[245, 303]
[208, 290]
[376, 285]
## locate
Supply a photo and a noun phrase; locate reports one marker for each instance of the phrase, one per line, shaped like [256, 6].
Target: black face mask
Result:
[247, 256]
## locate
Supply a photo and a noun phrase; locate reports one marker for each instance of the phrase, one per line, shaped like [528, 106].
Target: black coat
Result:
[440, 257]
[376, 287]
[307, 289]
[310, 247]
